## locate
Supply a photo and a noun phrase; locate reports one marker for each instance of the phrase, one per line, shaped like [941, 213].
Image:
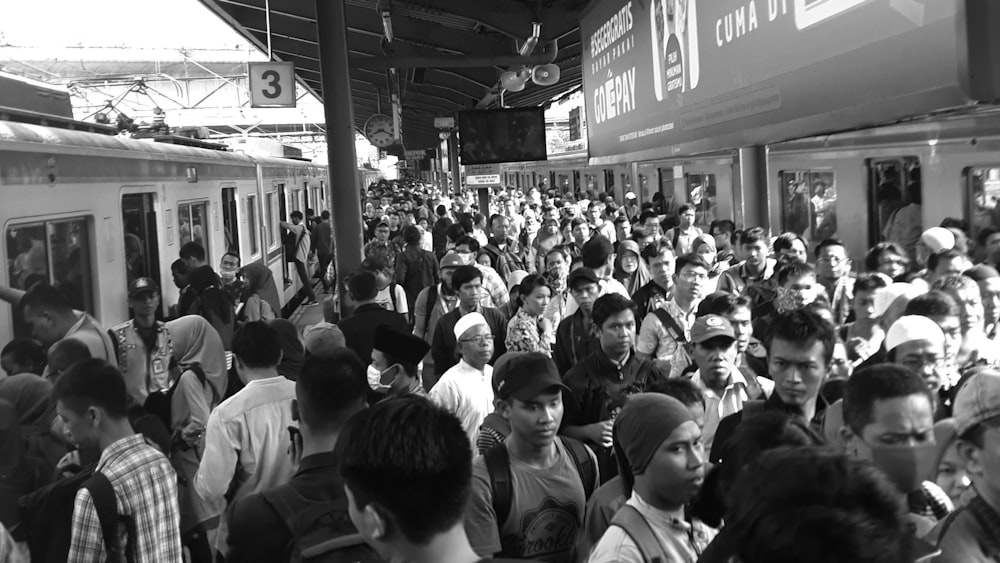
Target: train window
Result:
[141, 248]
[57, 252]
[701, 192]
[272, 218]
[983, 189]
[193, 223]
[893, 186]
[252, 223]
[809, 200]
[229, 220]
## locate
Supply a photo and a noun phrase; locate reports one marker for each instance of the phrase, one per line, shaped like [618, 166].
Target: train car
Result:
[90, 212]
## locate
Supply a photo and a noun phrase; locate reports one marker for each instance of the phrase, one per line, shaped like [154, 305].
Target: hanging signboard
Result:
[667, 77]
[272, 85]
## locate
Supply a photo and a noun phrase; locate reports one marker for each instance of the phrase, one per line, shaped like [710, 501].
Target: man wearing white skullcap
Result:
[917, 343]
[466, 389]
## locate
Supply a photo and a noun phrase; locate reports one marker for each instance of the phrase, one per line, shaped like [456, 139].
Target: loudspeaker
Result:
[545, 75]
[512, 81]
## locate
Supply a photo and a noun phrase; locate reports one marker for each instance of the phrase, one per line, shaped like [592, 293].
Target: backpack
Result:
[429, 304]
[502, 486]
[636, 527]
[423, 275]
[157, 403]
[321, 532]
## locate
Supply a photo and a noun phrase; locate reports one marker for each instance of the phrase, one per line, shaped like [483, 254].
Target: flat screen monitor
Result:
[501, 135]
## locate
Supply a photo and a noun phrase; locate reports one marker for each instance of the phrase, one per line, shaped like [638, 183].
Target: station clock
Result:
[380, 131]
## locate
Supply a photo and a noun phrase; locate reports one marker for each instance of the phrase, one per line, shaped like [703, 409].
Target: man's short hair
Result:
[362, 285]
[691, 259]
[44, 296]
[879, 382]
[26, 353]
[64, 354]
[722, 303]
[684, 208]
[329, 386]
[722, 226]
[956, 282]
[846, 507]
[935, 259]
[411, 235]
[869, 282]
[682, 389]
[411, 459]
[785, 241]
[257, 345]
[596, 252]
[795, 270]
[464, 275]
[875, 253]
[441, 210]
[609, 305]
[496, 217]
[828, 242]
[754, 235]
[455, 232]
[657, 248]
[934, 303]
[803, 328]
[325, 214]
[179, 266]
[296, 214]
[192, 250]
[92, 383]
[648, 214]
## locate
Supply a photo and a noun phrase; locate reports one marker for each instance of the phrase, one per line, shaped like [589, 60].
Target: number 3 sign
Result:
[272, 85]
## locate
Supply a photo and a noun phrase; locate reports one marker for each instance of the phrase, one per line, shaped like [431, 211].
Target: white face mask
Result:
[375, 378]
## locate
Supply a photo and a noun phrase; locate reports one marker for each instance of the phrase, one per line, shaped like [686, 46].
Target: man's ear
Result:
[848, 440]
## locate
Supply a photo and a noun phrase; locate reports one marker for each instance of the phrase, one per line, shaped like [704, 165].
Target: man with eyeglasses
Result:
[382, 247]
[466, 389]
[918, 344]
[665, 330]
[833, 271]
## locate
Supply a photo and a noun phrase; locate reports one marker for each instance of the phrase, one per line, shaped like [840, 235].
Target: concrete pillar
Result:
[331, 26]
[751, 207]
[456, 173]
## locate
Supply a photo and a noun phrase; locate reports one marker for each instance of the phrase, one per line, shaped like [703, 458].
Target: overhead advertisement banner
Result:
[665, 77]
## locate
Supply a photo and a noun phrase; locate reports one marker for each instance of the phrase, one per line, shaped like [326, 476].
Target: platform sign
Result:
[416, 155]
[482, 175]
[272, 85]
[666, 77]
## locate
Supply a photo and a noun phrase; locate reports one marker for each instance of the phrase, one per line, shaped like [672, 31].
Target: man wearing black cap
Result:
[142, 345]
[529, 493]
[394, 362]
[576, 336]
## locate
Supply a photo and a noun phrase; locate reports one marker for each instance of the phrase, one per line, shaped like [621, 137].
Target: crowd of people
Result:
[560, 378]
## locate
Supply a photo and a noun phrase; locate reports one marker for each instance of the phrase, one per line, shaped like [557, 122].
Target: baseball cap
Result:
[978, 400]
[581, 275]
[138, 286]
[911, 328]
[452, 260]
[525, 375]
[322, 338]
[708, 327]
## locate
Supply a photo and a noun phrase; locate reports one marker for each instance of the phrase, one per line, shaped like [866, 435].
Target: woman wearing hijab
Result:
[199, 387]
[261, 298]
[630, 269]
[292, 351]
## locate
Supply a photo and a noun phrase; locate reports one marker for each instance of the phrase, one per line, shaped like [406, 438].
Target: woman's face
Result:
[706, 252]
[535, 302]
[891, 264]
[630, 262]
[952, 476]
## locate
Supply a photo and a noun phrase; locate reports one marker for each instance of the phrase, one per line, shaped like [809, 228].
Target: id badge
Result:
[158, 367]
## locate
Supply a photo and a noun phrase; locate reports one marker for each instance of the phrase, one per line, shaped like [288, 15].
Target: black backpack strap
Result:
[677, 238]
[103, 495]
[671, 324]
[635, 525]
[502, 487]
[584, 464]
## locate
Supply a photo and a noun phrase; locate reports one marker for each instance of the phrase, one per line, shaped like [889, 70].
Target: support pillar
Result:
[456, 173]
[331, 24]
[751, 206]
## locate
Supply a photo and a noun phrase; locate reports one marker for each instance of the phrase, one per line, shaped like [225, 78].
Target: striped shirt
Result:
[146, 497]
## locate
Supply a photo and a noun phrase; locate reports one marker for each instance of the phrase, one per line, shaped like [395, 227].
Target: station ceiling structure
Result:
[449, 54]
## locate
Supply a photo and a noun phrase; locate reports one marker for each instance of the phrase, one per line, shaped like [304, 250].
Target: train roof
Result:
[57, 140]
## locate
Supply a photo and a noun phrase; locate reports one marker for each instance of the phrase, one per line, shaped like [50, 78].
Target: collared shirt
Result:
[145, 370]
[145, 488]
[841, 298]
[247, 439]
[466, 392]
[658, 341]
[970, 535]
[719, 406]
[525, 335]
[680, 541]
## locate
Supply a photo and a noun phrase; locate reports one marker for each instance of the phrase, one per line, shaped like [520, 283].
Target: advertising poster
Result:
[666, 77]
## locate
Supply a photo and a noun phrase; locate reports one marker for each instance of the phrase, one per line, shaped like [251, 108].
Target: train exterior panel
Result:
[90, 212]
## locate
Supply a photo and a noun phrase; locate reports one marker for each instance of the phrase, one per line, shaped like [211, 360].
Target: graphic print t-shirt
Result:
[545, 515]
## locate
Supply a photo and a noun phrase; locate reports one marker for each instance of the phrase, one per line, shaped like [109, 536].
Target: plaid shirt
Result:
[146, 493]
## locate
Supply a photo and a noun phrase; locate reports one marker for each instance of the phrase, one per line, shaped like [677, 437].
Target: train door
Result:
[893, 186]
[230, 221]
[142, 250]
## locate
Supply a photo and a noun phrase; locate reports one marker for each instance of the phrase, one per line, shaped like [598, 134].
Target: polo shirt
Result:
[730, 401]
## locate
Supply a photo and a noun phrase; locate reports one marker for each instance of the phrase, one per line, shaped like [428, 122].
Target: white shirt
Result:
[730, 401]
[466, 392]
[249, 429]
[610, 285]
